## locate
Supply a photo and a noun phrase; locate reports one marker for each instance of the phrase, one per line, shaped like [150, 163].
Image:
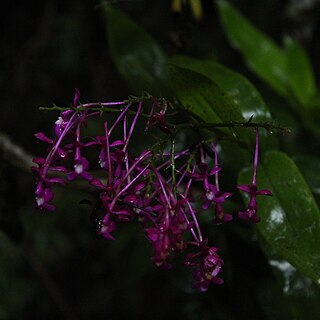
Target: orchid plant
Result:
[158, 187]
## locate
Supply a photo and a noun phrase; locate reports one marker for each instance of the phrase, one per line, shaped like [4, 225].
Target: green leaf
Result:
[290, 220]
[137, 56]
[309, 165]
[202, 96]
[240, 90]
[312, 119]
[300, 72]
[261, 54]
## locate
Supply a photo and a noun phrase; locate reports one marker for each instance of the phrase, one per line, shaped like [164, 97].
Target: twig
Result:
[14, 154]
[235, 124]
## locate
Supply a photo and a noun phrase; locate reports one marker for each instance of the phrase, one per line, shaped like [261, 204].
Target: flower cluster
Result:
[159, 187]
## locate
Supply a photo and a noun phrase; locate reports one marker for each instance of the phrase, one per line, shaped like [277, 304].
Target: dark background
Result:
[51, 264]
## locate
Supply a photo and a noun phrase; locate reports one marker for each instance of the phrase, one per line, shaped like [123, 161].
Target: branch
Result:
[270, 126]
[233, 124]
[14, 154]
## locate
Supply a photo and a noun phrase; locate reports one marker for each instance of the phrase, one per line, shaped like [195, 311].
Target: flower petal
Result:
[245, 188]
[41, 136]
[264, 192]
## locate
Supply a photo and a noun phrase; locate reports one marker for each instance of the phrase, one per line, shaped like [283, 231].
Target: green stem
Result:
[172, 162]
[234, 124]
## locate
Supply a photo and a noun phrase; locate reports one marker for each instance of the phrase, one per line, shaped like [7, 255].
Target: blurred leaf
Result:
[309, 165]
[312, 116]
[196, 8]
[302, 295]
[261, 54]
[300, 72]
[290, 220]
[239, 89]
[314, 101]
[137, 56]
[202, 96]
[176, 6]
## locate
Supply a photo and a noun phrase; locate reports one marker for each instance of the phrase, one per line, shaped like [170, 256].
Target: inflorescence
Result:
[160, 188]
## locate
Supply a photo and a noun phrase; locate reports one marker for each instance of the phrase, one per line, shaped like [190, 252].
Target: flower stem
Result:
[216, 164]
[256, 158]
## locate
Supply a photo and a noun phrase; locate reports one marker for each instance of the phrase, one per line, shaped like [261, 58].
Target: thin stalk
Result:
[172, 162]
[108, 152]
[194, 218]
[256, 159]
[56, 146]
[126, 160]
[216, 165]
[123, 112]
[115, 199]
[132, 126]
[140, 159]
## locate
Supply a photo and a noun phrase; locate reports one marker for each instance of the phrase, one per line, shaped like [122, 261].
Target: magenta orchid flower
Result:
[251, 212]
[133, 185]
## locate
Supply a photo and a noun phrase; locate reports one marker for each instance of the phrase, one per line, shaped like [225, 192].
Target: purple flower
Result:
[160, 240]
[139, 186]
[105, 227]
[251, 212]
[207, 265]
[61, 152]
[76, 97]
[62, 122]
[219, 215]
[158, 119]
[80, 168]
[214, 195]
[44, 196]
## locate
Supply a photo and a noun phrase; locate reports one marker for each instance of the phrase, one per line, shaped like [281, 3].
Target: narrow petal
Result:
[86, 175]
[264, 192]
[76, 97]
[39, 161]
[58, 169]
[117, 143]
[245, 188]
[56, 180]
[91, 143]
[48, 195]
[214, 171]
[41, 136]
[71, 176]
[97, 183]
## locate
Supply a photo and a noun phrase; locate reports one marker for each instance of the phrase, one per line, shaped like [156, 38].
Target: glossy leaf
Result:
[260, 52]
[312, 120]
[137, 56]
[300, 73]
[239, 89]
[202, 96]
[290, 220]
[309, 165]
[245, 97]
